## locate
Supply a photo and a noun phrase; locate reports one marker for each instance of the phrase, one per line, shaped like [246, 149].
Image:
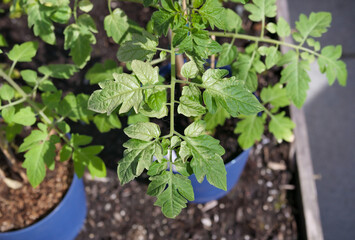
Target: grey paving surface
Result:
[330, 115]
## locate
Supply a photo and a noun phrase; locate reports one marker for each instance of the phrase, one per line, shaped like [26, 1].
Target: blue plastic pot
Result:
[205, 192]
[63, 223]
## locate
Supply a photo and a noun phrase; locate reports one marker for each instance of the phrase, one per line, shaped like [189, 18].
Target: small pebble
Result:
[269, 199]
[107, 207]
[246, 237]
[206, 222]
[215, 218]
[91, 235]
[123, 213]
[269, 184]
[222, 206]
[266, 207]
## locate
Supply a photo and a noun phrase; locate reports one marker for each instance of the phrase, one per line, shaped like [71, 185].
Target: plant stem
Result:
[75, 9]
[165, 50]
[13, 103]
[109, 6]
[172, 86]
[187, 82]
[158, 60]
[254, 38]
[12, 67]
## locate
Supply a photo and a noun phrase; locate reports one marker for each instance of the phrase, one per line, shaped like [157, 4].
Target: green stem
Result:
[166, 50]
[172, 84]
[75, 9]
[158, 60]
[266, 40]
[187, 82]
[13, 103]
[12, 67]
[109, 6]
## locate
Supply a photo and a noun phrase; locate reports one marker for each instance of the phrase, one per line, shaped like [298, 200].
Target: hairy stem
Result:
[172, 87]
[75, 10]
[109, 6]
[266, 40]
[13, 103]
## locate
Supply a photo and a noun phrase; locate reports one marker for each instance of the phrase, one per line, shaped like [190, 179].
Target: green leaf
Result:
[140, 48]
[190, 102]
[213, 12]
[41, 152]
[227, 55]
[281, 127]
[231, 95]
[243, 70]
[272, 55]
[162, 20]
[7, 92]
[116, 25]
[214, 119]
[146, 74]
[172, 191]
[251, 128]
[296, 76]
[29, 76]
[314, 26]
[65, 153]
[189, 70]
[271, 27]
[157, 167]
[79, 42]
[260, 9]
[100, 72]
[105, 123]
[148, 3]
[195, 129]
[25, 117]
[233, 20]
[145, 131]
[87, 25]
[283, 28]
[62, 14]
[3, 42]
[24, 52]
[124, 90]
[40, 21]
[51, 100]
[62, 71]
[275, 95]
[330, 64]
[87, 156]
[207, 161]
[135, 118]
[137, 157]
[148, 112]
[8, 114]
[85, 5]
[156, 99]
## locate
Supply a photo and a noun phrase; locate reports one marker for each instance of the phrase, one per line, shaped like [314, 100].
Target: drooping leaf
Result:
[172, 191]
[116, 25]
[162, 20]
[24, 52]
[244, 71]
[137, 157]
[296, 76]
[283, 28]
[251, 129]
[40, 152]
[87, 156]
[233, 20]
[105, 123]
[206, 160]
[85, 5]
[330, 64]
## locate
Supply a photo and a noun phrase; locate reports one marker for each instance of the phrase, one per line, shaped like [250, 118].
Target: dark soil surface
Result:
[260, 206]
